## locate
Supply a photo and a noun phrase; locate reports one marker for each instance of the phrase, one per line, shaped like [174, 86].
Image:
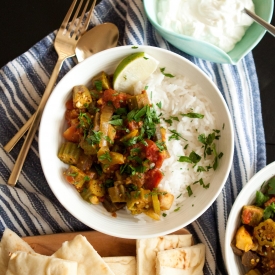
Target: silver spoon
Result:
[99, 38]
[270, 28]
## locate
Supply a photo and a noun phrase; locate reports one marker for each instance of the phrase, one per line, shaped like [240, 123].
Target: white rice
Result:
[178, 95]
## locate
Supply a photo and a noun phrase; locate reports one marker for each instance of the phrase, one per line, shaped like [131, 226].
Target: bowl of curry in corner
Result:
[250, 232]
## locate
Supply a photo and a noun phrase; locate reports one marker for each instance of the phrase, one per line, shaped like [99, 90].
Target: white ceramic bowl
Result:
[246, 197]
[207, 51]
[53, 124]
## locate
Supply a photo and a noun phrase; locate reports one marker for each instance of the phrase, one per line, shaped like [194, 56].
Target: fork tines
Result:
[74, 23]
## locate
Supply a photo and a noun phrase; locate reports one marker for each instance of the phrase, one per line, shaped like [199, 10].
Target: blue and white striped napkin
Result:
[31, 208]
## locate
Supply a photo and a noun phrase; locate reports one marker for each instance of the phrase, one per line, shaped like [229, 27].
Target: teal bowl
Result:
[207, 51]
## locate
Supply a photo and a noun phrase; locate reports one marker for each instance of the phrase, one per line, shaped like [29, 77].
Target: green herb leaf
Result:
[261, 198]
[159, 104]
[94, 137]
[189, 190]
[116, 122]
[166, 74]
[105, 156]
[175, 135]
[98, 85]
[161, 145]
[271, 185]
[269, 211]
[193, 115]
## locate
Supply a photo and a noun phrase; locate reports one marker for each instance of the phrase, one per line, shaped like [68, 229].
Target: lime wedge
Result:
[133, 68]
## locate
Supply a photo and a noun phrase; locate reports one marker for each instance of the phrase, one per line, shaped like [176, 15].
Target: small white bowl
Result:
[125, 225]
[247, 196]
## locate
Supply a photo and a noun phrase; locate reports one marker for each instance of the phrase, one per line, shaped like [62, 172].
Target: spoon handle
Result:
[34, 125]
[259, 20]
[8, 147]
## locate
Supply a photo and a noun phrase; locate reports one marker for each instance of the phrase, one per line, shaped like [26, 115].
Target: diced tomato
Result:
[72, 134]
[267, 203]
[71, 115]
[119, 100]
[69, 179]
[69, 104]
[153, 154]
[133, 125]
[152, 178]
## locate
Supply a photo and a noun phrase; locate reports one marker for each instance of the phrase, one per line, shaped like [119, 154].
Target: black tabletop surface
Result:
[23, 23]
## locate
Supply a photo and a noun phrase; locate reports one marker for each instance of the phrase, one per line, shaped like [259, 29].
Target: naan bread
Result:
[147, 250]
[10, 243]
[183, 261]
[23, 263]
[125, 265]
[81, 251]
[176, 271]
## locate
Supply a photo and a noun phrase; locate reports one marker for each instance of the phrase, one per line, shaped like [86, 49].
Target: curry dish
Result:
[115, 148]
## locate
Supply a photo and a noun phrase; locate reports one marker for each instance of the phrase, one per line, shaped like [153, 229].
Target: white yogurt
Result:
[219, 22]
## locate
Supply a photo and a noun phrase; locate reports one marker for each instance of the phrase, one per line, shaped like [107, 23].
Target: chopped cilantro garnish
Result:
[169, 121]
[261, 198]
[159, 104]
[175, 135]
[161, 145]
[98, 85]
[116, 122]
[189, 190]
[271, 184]
[177, 209]
[192, 158]
[134, 47]
[205, 186]
[166, 74]
[269, 211]
[193, 115]
[94, 137]
[201, 169]
[105, 156]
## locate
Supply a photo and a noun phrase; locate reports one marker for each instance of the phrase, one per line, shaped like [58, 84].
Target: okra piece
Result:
[101, 82]
[81, 97]
[76, 177]
[139, 200]
[69, 153]
[89, 149]
[93, 188]
[138, 101]
[117, 193]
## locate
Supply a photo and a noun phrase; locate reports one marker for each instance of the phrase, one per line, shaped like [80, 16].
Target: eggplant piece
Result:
[235, 249]
[110, 206]
[252, 215]
[250, 259]
[84, 162]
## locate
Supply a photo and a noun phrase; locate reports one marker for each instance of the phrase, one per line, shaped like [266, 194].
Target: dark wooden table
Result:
[23, 23]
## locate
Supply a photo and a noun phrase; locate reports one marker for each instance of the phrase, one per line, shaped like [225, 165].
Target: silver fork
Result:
[64, 44]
